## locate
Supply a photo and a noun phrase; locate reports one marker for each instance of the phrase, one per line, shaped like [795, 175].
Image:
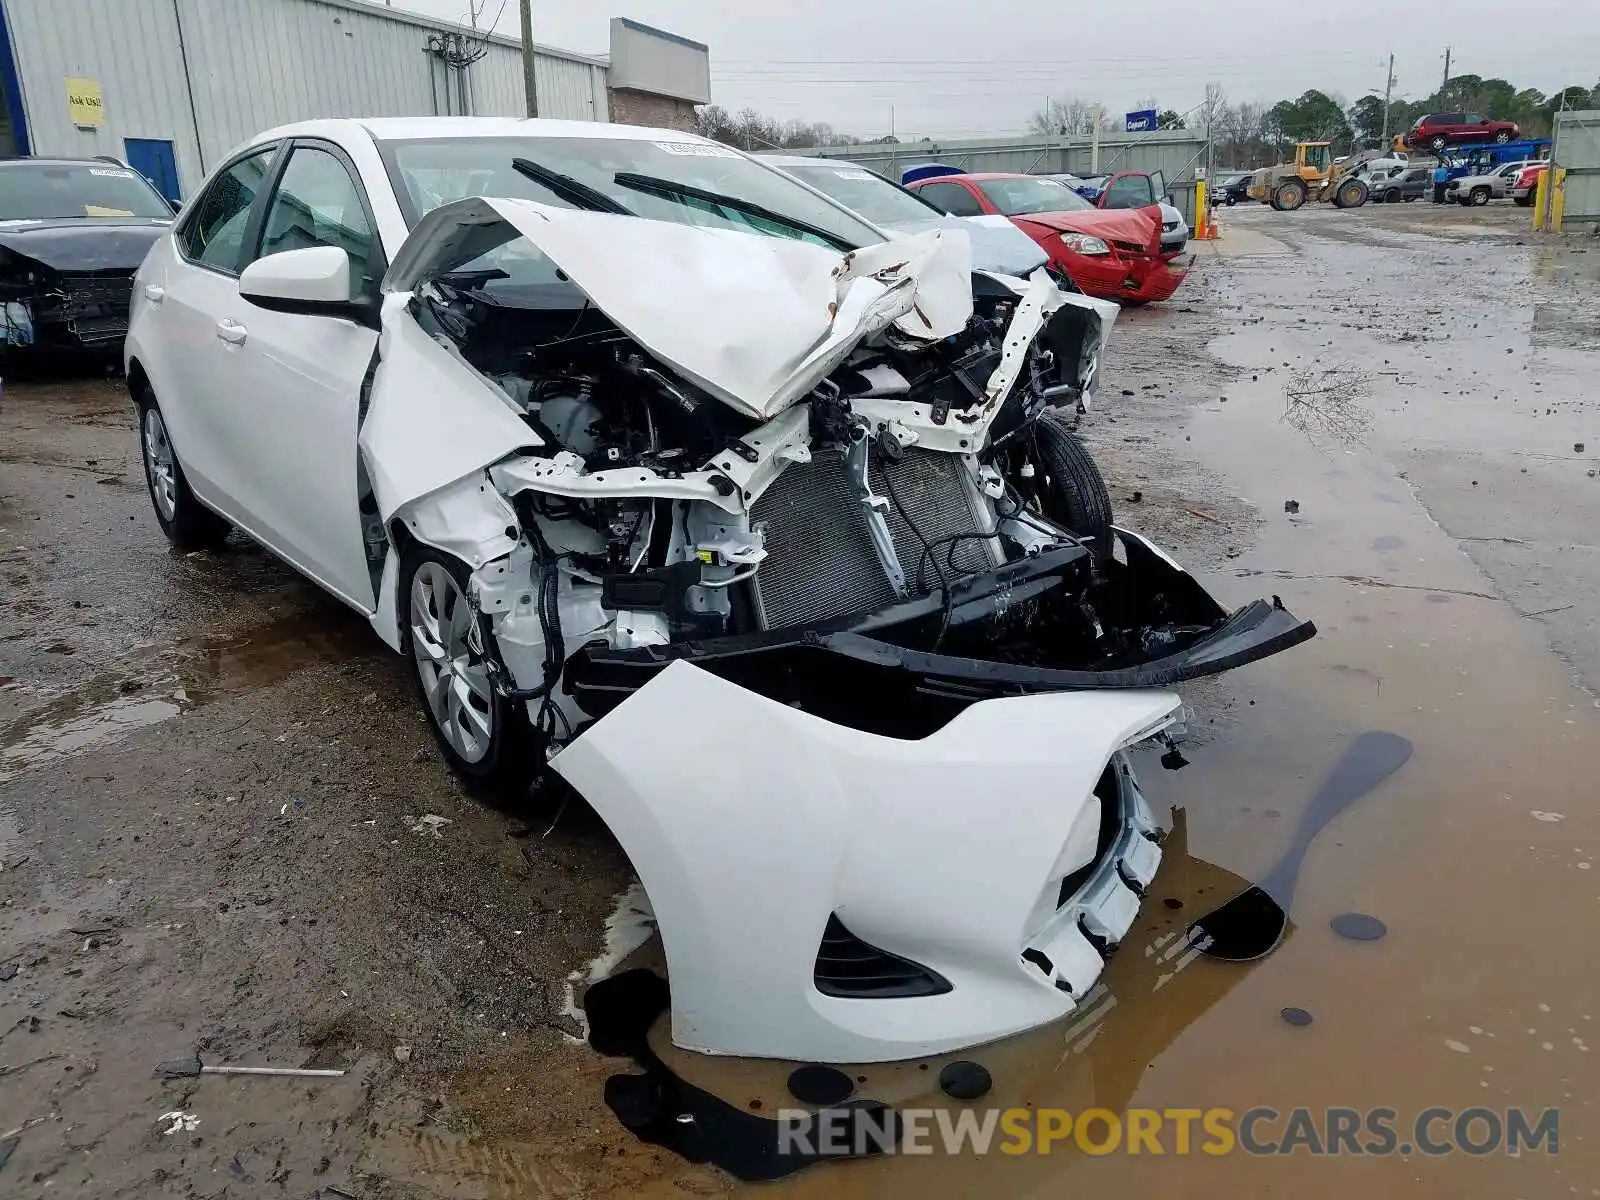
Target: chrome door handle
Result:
[232, 332]
[154, 293]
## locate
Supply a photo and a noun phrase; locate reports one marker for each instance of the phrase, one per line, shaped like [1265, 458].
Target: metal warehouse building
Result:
[171, 86]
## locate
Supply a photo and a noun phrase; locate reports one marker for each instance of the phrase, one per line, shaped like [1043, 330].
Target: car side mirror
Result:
[313, 282]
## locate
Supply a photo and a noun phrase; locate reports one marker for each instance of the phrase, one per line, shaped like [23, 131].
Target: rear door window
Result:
[952, 198]
[213, 235]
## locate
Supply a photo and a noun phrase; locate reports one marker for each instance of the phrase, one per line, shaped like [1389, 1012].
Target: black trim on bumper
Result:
[852, 672]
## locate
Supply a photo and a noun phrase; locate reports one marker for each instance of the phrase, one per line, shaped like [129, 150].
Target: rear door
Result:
[191, 305]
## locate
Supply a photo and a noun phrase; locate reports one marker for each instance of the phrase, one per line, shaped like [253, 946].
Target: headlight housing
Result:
[1082, 243]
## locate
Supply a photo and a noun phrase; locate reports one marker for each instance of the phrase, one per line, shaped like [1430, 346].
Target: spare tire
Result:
[1073, 493]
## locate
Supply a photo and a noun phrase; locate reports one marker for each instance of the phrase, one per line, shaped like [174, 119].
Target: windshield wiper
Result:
[667, 189]
[573, 191]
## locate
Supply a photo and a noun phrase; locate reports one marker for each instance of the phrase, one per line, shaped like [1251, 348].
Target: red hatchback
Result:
[1435, 131]
[1114, 254]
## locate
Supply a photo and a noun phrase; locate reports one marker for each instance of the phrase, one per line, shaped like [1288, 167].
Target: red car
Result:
[1114, 254]
[1435, 131]
[1526, 186]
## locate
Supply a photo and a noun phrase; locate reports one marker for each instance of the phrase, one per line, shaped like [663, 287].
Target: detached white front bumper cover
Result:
[751, 823]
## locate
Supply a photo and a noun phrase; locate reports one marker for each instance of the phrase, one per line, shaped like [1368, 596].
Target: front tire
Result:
[1075, 494]
[485, 736]
[1479, 197]
[1502, 137]
[188, 524]
[1392, 196]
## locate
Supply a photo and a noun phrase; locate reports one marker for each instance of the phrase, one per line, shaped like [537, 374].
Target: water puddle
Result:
[163, 684]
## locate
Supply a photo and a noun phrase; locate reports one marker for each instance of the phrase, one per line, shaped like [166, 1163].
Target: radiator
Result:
[820, 562]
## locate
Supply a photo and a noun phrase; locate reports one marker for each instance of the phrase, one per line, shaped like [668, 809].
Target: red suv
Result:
[1435, 131]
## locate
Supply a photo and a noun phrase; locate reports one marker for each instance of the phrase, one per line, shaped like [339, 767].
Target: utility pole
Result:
[1388, 91]
[1213, 91]
[1446, 82]
[530, 86]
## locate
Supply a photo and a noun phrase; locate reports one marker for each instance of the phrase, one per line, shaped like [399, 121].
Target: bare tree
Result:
[1068, 117]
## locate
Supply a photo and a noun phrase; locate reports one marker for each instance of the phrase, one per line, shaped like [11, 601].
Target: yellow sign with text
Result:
[85, 104]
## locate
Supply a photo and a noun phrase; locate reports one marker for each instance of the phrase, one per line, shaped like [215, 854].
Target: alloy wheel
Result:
[160, 464]
[451, 662]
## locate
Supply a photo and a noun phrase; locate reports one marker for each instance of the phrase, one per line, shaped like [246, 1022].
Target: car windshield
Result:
[859, 190]
[1014, 197]
[433, 171]
[43, 191]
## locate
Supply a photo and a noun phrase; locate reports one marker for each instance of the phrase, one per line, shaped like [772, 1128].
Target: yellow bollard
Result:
[1550, 199]
[1205, 227]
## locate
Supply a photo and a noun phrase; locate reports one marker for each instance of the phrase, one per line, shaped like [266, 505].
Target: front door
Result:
[300, 379]
[1128, 189]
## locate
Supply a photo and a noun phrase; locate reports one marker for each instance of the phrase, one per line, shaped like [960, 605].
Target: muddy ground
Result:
[215, 785]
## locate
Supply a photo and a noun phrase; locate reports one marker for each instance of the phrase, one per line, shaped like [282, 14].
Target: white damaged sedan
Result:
[767, 535]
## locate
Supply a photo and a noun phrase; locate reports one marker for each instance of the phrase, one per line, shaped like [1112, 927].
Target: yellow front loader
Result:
[1313, 175]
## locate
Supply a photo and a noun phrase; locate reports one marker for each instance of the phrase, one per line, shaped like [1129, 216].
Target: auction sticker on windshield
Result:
[698, 149]
[856, 174]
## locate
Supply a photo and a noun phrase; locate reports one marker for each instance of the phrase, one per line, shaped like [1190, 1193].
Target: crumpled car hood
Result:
[83, 243]
[756, 321]
[1138, 225]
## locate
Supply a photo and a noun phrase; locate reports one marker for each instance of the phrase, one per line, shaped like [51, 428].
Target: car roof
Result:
[403, 128]
[28, 161]
[805, 160]
[980, 176]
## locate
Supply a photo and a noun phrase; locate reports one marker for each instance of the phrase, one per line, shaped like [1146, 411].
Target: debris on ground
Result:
[189, 1068]
[428, 823]
[402, 1054]
[179, 1122]
[1291, 506]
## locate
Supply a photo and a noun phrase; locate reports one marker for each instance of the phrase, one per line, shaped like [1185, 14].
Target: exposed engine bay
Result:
[900, 491]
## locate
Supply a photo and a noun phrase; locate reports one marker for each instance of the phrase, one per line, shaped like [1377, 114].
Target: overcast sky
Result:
[948, 68]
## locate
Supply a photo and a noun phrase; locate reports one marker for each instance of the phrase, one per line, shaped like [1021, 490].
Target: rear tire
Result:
[1437, 143]
[1523, 201]
[1074, 494]
[1289, 195]
[188, 524]
[486, 737]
